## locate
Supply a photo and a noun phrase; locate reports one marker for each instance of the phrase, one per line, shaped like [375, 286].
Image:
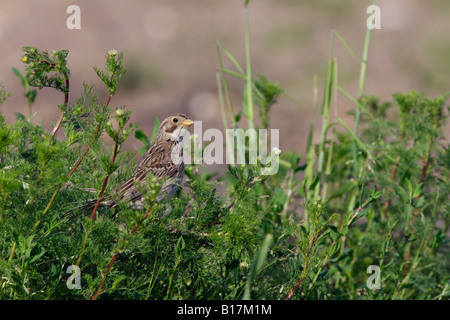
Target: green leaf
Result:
[303, 192]
[142, 150]
[410, 188]
[418, 190]
[349, 49]
[141, 136]
[361, 213]
[344, 189]
[314, 183]
[155, 130]
[361, 144]
[37, 256]
[401, 192]
[419, 202]
[181, 245]
[238, 116]
[257, 264]
[20, 116]
[300, 168]
[22, 79]
[232, 59]
[334, 232]
[31, 95]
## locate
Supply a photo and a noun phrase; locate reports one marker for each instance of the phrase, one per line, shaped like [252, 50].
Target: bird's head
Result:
[174, 127]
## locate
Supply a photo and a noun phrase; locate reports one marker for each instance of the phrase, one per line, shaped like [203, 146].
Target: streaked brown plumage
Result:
[163, 159]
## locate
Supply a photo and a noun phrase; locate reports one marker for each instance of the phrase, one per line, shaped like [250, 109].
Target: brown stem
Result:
[48, 63]
[73, 169]
[252, 182]
[102, 283]
[302, 278]
[305, 268]
[426, 162]
[81, 157]
[96, 134]
[138, 225]
[99, 198]
[111, 262]
[66, 102]
[231, 205]
[97, 130]
[248, 187]
[190, 204]
[423, 176]
[387, 203]
[105, 182]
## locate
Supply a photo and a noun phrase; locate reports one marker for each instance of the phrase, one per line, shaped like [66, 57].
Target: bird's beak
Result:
[187, 122]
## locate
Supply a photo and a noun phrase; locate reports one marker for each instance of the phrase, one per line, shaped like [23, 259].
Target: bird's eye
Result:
[175, 120]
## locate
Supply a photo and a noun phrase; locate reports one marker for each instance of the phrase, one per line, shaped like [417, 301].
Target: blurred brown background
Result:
[170, 53]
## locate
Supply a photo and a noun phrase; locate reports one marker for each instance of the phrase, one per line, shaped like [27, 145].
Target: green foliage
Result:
[376, 195]
[113, 71]
[266, 97]
[3, 94]
[141, 136]
[44, 70]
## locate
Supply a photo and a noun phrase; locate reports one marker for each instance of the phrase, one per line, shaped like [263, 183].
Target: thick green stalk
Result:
[330, 148]
[325, 111]
[310, 161]
[223, 81]
[362, 77]
[221, 103]
[250, 113]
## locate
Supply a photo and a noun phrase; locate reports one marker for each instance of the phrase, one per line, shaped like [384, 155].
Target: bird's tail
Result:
[88, 207]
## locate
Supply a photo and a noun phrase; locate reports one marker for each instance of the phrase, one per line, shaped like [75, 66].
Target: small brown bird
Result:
[163, 160]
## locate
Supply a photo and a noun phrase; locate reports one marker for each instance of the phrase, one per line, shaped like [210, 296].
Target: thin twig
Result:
[113, 259]
[105, 182]
[305, 268]
[387, 203]
[188, 207]
[96, 134]
[247, 187]
[66, 102]
[102, 283]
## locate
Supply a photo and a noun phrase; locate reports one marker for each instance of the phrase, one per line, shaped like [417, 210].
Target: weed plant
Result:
[372, 195]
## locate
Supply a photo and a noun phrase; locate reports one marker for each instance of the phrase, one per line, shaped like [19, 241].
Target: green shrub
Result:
[373, 196]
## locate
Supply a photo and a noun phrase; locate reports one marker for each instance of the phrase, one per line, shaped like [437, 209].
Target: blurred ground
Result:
[170, 53]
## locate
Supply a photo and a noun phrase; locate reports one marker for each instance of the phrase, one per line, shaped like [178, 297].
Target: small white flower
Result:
[119, 112]
[112, 53]
[276, 151]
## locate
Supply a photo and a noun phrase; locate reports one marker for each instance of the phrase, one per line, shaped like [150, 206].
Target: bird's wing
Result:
[157, 162]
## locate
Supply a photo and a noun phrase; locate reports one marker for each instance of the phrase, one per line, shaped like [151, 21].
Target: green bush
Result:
[373, 196]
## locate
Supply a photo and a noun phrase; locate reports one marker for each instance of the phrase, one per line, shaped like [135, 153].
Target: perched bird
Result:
[163, 160]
